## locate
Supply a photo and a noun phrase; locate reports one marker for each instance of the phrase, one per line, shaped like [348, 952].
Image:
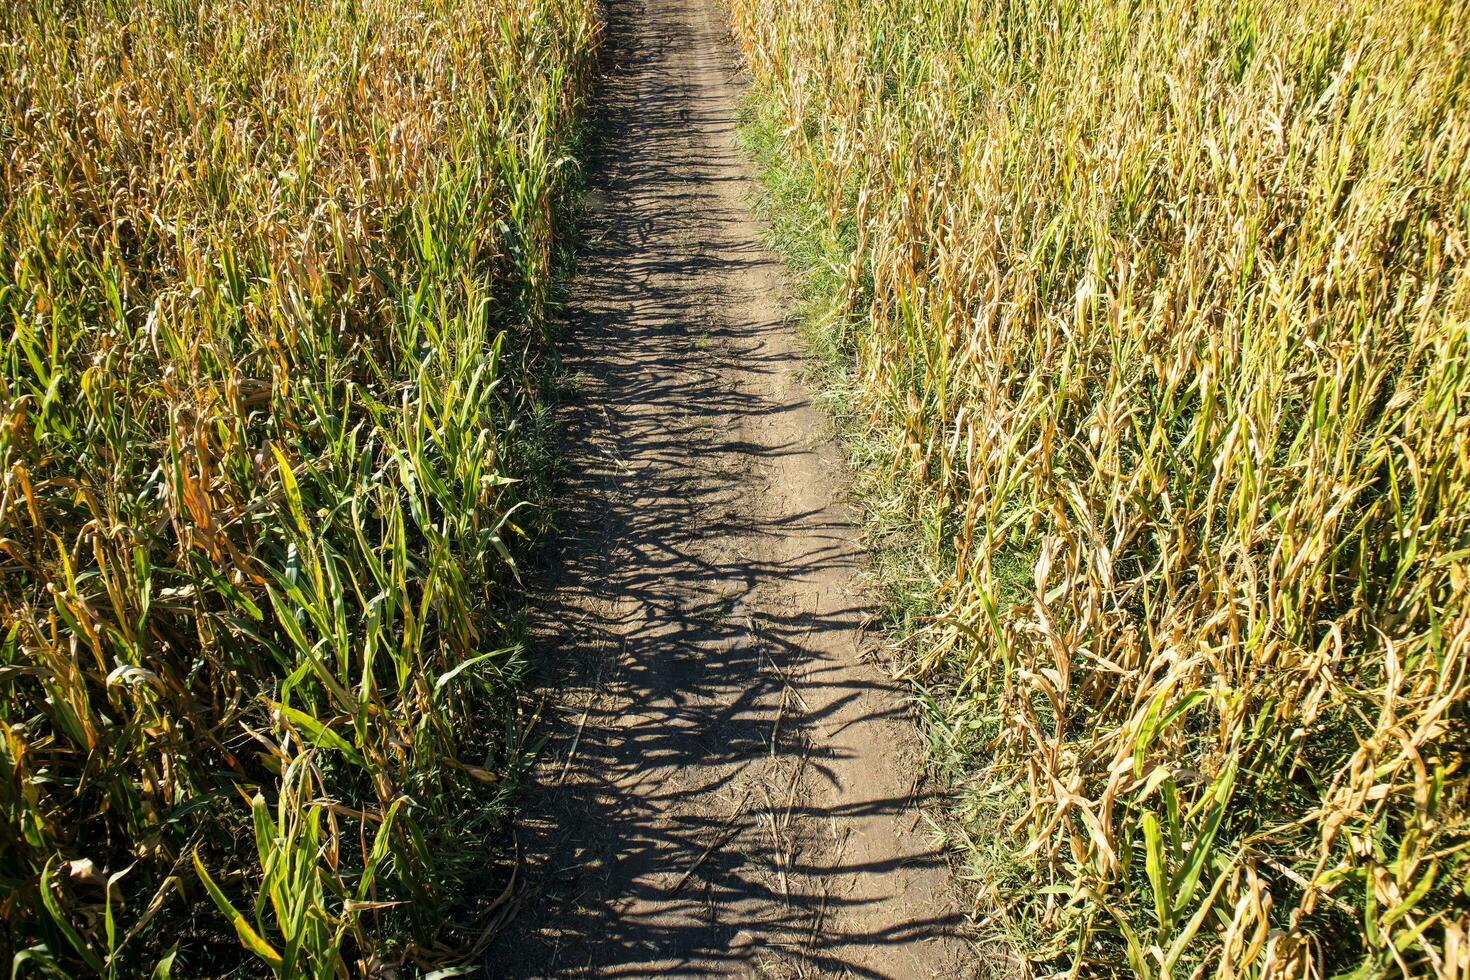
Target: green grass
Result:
[274, 293]
[1151, 327]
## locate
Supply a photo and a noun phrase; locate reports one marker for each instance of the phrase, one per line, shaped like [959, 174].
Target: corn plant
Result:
[274, 284]
[1155, 318]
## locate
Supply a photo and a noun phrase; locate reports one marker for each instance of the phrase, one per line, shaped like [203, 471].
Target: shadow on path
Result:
[728, 783]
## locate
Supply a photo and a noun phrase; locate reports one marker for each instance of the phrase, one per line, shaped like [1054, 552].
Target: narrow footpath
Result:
[729, 788]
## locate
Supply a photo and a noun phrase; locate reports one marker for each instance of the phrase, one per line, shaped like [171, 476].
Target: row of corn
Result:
[1157, 318]
[274, 283]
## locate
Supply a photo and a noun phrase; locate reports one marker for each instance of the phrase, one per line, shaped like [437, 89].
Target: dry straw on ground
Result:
[272, 281]
[1158, 313]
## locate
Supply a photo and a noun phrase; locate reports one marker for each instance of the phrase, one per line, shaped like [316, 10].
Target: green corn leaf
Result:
[319, 733]
[292, 489]
[164, 970]
[1156, 721]
[63, 923]
[381, 842]
[1156, 864]
[1185, 936]
[249, 938]
[1416, 894]
[265, 829]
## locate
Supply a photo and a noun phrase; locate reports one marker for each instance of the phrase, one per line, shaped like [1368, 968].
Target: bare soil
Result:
[730, 785]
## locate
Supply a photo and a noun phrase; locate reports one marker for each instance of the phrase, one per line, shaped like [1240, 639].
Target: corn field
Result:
[1155, 317]
[274, 282]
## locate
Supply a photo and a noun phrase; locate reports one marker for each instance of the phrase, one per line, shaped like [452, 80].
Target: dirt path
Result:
[729, 786]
